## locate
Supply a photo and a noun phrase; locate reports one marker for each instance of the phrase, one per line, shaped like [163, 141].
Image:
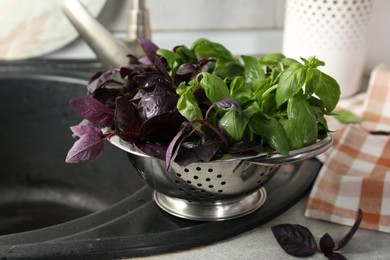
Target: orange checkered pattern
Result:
[356, 169]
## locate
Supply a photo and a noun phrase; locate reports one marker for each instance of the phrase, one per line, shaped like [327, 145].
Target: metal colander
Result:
[216, 190]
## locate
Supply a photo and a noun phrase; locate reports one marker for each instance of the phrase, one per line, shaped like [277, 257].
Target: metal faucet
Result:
[111, 51]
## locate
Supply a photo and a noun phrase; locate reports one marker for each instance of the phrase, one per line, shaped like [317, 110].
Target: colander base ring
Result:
[211, 211]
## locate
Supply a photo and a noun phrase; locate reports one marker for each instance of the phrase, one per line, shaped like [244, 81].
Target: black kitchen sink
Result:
[96, 210]
[37, 188]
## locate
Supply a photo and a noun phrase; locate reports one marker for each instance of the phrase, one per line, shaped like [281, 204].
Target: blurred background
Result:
[244, 26]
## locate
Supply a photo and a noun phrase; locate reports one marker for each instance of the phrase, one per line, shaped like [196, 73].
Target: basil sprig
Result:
[283, 101]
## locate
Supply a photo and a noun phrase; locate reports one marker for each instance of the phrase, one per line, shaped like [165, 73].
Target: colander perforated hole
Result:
[186, 170]
[223, 183]
[178, 175]
[219, 176]
[196, 177]
[198, 169]
[220, 191]
[199, 184]
[208, 179]
[211, 186]
[177, 182]
[189, 182]
[210, 170]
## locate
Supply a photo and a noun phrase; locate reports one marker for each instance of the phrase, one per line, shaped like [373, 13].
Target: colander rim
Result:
[262, 158]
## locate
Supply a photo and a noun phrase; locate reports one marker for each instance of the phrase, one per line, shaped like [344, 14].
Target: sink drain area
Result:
[25, 209]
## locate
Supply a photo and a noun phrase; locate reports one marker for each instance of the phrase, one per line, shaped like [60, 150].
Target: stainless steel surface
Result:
[138, 22]
[110, 50]
[296, 155]
[214, 210]
[213, 181]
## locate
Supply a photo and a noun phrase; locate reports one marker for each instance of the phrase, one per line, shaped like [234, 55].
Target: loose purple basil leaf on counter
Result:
[90, 145]
[93, 110]
[334, 256]
[295, 240]
[353, 230]
[327, 243]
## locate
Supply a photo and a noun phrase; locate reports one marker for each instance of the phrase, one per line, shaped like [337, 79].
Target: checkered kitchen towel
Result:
[356, 170]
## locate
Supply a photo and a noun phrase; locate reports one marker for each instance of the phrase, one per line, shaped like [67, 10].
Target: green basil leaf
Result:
[233, 124]
[187, 105]
[347, 117]
[268, 104]
[254, 73]
[290, 83]
[328, 91]
[313, 77]
[214, 87]
[186, 54]
[208, 49]
[272, 58]
[301, 127]
[287, 62]
[173, 59]
[271, 131]
[226, 68]
[239, 92]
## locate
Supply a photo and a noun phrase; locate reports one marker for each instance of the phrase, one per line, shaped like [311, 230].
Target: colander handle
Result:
[295, 155]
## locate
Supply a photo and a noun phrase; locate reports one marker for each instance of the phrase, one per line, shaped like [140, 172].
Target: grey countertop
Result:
[260, 243]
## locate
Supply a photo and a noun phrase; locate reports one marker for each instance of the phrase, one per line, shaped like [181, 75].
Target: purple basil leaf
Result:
[148, 80]
[172, 147]
[186, 69]
[185, 73]
[131, 70]
[353, 230]
[93, 110]
[106, 95]
[185, 157]
[334, 256]
[153, 149]
[246, 148]
[327, 243]
[127, 122]
[229, 104]
[102, 79]
[163, 68]
[89, 147]
[84, 129]
[149, 48]
[203, 64]
[161, 127]
[206, 151]
[155, 103]
[295, 240]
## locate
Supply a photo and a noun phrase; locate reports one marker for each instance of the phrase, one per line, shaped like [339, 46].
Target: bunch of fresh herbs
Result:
[202, 103]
